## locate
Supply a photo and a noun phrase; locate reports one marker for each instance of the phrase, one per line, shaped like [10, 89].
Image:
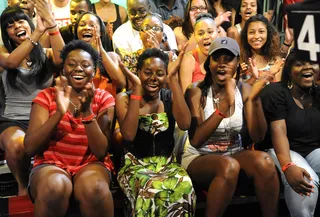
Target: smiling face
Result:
[248, 9]
[222, 63]
[87, 25]
[304, 74]
[257, 35]
[19, 31]
[153, 75]
[78, 69]
[205, 32]
[137, 11]
[76, 9]
[197, 7]
[153, 25]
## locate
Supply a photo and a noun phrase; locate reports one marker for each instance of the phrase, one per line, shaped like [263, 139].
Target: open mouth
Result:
[78, 78]
[87, 36]
[307, 75]
[21, 34]
[207, 45]
[152, 87]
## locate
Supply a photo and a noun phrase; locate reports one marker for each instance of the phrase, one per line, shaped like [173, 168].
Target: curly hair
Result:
[270, 49]
[81, 45]
[238, 17]
[187, 28]
[152, 52]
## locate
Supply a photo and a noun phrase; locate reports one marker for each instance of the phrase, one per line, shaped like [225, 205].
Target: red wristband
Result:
[88, 119]
[135, 97]
[218, 112]
[54, 33]
[285, 167]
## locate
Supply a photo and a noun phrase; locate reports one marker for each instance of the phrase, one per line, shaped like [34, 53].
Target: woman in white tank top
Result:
[221, 111]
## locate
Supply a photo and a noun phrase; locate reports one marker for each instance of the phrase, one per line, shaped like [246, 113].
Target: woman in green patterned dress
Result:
[151, 179]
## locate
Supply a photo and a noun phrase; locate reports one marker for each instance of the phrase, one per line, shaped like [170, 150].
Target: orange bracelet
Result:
[218, 112]
[285, 167]
[88, 119]
[54, 33]
[135, 97]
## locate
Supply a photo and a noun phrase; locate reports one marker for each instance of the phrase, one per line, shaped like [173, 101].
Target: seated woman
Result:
[192, 70]
[90, 28]
[292, 109]
[28, 69]
[150, 177]
[260, 44]
[220, 112]
[69, 134]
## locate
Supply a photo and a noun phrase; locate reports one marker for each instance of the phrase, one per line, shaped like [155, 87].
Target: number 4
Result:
[308, 27]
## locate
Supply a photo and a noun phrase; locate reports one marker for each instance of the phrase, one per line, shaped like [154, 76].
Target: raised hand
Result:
[277, 67]
[229, 97]
[96, 40]
[45, 13]
[253, 68]
[63, 91]
[86, 96]
[222, 17]
[152, 41]
[135, 81]
[174, 66]
[288, 39]
[109, 29]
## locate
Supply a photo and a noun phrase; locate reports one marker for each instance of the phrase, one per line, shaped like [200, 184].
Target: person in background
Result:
[222, 109]
[222, 6]
[152, 180]
[260, 43]
[113, 15]
[168, 8]
[90, 28]
[28, 69]
[61, 11]
[69, 134]
[185, 34]
[292, 109]
[126, 38]
[192, 67]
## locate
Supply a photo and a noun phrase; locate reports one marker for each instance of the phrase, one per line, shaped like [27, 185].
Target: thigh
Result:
[299, 160]
[204, 168]
[314, 160]
[48, 178]
[251, 161]
[91, 177]
[10, 134]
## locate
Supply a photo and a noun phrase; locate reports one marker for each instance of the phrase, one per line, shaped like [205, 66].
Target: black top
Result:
[302, 124]
[117, 22]
[146, 144]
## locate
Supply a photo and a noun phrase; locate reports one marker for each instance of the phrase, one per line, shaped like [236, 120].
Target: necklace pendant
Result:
[29, 63]
[75, 111]
[216, 100]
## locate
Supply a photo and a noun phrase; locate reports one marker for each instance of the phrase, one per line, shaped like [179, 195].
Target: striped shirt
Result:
[68, 148]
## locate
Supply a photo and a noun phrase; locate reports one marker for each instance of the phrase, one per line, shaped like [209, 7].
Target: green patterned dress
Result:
[153, 182]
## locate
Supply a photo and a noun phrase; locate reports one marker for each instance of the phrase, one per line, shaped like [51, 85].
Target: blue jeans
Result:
[301, 206]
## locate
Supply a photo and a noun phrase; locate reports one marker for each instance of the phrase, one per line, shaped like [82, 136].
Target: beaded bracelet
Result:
[32, 41]
[285, 167]
[89, 119]
[135, 97]
[218, 112]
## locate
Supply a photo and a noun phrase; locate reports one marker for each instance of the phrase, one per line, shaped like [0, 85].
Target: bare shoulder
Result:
[193, 90]
[123, 14]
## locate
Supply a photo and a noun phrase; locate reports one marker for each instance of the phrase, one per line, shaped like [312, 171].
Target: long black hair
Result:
[238, 17]
[37, 56]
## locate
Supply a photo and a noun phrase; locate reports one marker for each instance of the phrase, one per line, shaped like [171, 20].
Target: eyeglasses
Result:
[140, 11]
[153, 28]
[196, 8]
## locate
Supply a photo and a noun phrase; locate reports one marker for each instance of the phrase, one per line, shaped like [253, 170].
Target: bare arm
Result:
[123, 14]
[186, 70]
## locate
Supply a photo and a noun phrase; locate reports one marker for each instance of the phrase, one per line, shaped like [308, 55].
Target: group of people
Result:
[246, 104]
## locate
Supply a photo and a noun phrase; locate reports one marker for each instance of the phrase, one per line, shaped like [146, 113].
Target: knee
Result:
[14, 148]
[57, 190]
[264, 165]
[95, 192]
[230, 169]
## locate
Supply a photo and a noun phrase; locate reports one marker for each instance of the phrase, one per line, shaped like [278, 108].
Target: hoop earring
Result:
[290, 84]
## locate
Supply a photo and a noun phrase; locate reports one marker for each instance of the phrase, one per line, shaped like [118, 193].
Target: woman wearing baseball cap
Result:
[222, 109]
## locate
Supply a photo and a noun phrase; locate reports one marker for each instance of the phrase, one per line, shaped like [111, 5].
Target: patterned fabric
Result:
[157, 186]
[68, 147]
[154, 123]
